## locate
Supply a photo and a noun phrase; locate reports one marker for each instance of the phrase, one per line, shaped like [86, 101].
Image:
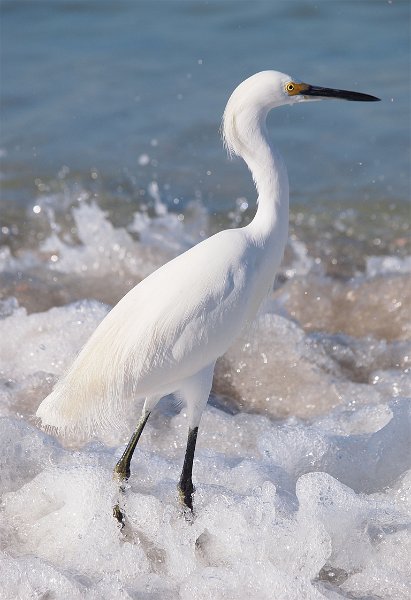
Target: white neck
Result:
[270, 176]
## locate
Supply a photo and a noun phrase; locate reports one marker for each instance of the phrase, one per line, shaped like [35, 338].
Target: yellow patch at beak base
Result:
[293, 89]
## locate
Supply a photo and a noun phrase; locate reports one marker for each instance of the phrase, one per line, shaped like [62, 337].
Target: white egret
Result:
[166, 334]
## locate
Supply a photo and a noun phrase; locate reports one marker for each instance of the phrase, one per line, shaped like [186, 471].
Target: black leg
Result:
[185, 486]
[122, 468]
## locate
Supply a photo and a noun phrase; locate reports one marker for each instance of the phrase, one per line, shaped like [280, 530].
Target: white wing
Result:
[175, 322]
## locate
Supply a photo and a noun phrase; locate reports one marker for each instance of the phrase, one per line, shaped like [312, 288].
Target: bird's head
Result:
[261, 92]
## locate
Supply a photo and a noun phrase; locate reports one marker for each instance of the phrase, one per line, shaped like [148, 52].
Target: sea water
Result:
[111, 165]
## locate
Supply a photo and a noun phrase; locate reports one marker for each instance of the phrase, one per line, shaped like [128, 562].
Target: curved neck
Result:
[270, 177]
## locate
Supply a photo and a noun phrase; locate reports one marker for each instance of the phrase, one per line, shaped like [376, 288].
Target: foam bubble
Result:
[267, 521]
[360, 307]
[381, 265]
[302, 472]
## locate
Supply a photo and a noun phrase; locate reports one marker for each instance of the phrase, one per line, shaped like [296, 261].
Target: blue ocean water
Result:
[133, 91]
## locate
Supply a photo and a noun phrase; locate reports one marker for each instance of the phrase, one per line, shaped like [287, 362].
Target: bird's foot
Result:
[185, 495]
[119, 515]
[186, 500]
[188, 514]
[121, 476]
[121, 472]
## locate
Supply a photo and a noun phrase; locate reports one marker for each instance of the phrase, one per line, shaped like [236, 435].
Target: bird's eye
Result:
[290, 87]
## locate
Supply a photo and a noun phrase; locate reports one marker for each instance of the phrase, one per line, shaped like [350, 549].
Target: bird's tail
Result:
[75, 409]
[90, 398]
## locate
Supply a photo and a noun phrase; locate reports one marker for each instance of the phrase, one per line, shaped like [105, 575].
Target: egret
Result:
[165, 335]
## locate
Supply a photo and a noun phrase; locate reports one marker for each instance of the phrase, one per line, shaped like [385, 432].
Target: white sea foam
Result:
[271, 521]
[381, 265]
[104, 249]
[303, 474]
[288, 509]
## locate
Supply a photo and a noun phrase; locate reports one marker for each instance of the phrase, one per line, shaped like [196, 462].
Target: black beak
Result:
[322, 92]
